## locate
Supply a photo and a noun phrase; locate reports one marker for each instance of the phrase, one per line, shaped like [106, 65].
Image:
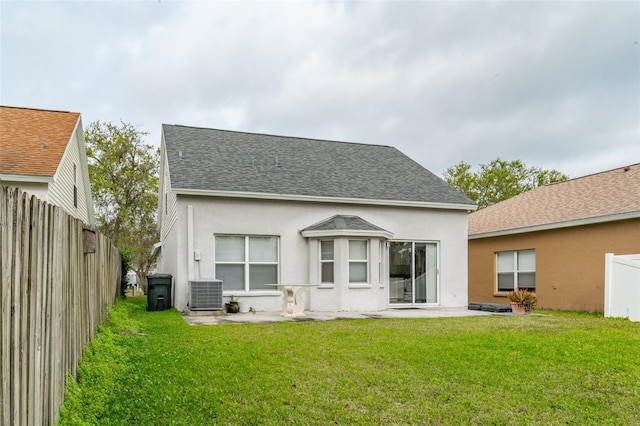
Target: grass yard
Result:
[151, 368]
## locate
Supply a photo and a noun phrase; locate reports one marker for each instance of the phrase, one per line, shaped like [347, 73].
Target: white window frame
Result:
[514, 269]
[332, 261]
[247, 263]
[365, 261]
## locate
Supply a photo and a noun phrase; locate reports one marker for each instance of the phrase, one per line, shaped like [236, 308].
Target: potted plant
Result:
[522, 300]
[233, 307]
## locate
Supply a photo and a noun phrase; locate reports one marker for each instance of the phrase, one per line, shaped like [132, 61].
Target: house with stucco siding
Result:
[42, 152]
[364, 225]
[553, 239]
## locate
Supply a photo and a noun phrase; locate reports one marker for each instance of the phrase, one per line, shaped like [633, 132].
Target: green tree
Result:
[498, 180]
[123, 171]
[125, 259]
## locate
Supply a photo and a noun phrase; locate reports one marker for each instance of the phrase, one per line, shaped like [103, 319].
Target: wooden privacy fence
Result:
[53, 297]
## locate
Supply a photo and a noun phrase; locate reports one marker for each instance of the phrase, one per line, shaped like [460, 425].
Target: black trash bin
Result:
[158, 292]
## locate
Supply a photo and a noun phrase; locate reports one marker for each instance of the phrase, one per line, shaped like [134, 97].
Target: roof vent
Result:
[627, 168]
[180, 154]
[41, 144]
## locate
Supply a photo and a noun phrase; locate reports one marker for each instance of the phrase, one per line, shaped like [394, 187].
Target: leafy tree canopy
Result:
[123, 171]
[498, 180]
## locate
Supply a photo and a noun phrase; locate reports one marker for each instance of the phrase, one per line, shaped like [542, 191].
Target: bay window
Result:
[326, 262]
[358, 261]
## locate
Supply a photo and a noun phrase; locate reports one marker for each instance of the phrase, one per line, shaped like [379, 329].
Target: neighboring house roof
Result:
[38, 149]
[32, 141]
[601, 197]
[344, 225]
[227, 163]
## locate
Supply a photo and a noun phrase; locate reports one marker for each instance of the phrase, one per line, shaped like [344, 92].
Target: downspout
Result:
[190, 243]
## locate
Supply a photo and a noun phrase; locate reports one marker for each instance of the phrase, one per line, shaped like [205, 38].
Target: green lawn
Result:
[151, 368]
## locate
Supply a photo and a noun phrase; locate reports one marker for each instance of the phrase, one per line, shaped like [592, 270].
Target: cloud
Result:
[555, 84]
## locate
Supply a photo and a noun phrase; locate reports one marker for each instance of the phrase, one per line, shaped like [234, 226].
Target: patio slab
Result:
[267, 317]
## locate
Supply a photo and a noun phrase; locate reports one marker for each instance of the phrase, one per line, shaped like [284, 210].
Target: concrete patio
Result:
[266, 317]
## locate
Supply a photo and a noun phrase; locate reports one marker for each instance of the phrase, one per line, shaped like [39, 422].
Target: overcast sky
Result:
[554, 84]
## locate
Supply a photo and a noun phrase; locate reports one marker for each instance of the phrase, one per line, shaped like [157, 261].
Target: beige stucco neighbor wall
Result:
[569, 263]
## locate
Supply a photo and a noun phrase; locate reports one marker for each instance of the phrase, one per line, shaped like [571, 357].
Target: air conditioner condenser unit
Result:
[205, 295]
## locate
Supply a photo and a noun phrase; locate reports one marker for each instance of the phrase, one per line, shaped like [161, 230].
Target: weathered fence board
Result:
[52, 298]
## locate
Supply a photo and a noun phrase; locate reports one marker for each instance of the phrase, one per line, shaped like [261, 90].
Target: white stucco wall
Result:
[168, 259]
[285, 219]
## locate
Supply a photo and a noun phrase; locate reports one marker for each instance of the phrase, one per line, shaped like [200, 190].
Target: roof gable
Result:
[345, 225]
[343, 222]
[610, 195]
[32, 141]
[217, 160]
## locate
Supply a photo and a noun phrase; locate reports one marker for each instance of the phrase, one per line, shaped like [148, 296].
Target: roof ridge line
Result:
[595, 174]
[279, 136]
[39, 109]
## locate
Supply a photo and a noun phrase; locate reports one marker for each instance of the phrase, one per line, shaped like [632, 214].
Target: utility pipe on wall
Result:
[190, 261]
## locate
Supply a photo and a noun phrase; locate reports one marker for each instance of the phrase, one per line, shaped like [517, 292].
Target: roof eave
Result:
[324, 199]
[347, 233]
[557, 225]
[26, 178]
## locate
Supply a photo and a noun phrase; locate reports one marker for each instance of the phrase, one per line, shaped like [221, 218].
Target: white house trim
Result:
[26, 178]
[84, 170]
[319, 199]
[558, 225]
[364, 233]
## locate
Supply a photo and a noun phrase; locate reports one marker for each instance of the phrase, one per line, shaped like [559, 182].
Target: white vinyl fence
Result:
[622, 286]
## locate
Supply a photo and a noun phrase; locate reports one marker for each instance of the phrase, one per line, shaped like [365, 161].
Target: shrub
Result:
[523, 297]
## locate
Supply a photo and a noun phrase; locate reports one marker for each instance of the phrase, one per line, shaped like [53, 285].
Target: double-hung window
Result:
[326, 262]
[358, 261]
[516, 270]
[246, 263]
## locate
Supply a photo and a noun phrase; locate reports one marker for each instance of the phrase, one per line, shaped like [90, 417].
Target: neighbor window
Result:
[75, 186]
[358, 261]
[246, 263]
[516, 269]
[326, 261]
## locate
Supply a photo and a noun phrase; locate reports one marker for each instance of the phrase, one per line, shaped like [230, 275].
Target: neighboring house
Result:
[42, 152]
[553, 240]
[371, 228]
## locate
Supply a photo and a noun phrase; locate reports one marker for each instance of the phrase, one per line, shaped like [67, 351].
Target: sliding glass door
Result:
[413, 273]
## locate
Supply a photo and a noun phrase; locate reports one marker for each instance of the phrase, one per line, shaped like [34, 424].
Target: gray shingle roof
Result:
[343, 222]
[220, 160]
